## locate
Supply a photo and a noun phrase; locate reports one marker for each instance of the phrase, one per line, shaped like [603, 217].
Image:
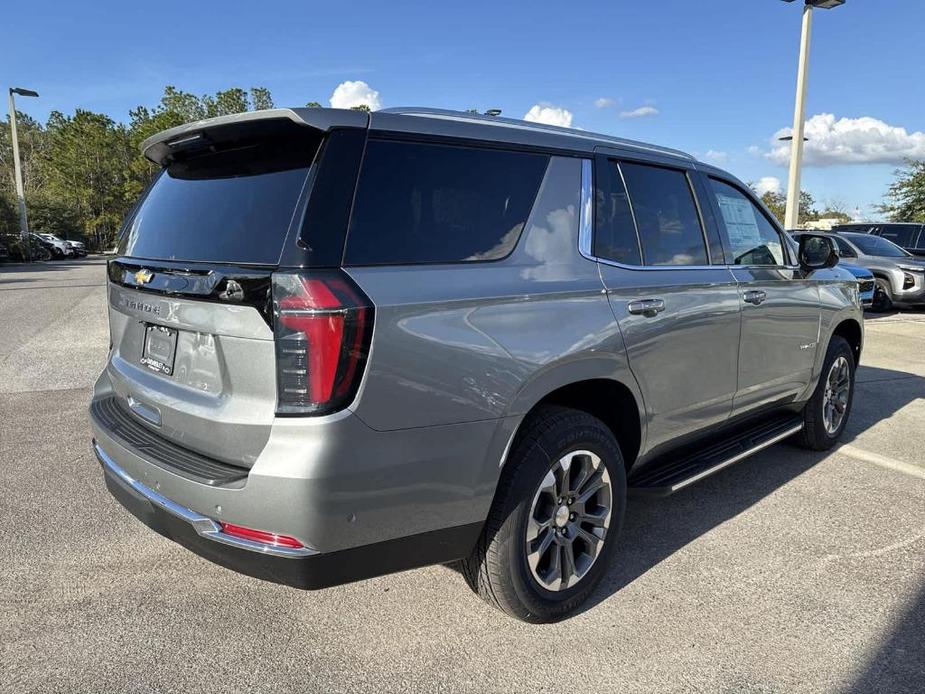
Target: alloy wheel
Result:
[569, 519]
[835, 398]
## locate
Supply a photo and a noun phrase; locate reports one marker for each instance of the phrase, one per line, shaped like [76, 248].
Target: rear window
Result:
[229, 206]
[431, 203]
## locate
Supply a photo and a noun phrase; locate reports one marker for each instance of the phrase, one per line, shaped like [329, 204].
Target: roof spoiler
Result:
[160, 148]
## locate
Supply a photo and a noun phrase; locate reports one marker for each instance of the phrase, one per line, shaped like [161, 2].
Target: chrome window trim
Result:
[203, 525]
[586, 211]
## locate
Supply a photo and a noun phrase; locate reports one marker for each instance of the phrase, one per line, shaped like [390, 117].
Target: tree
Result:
[360, 107]
[312, 104]
[776, 202]
[261, 99]
[905, 199]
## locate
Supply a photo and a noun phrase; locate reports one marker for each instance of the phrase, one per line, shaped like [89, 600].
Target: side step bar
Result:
[675, 474]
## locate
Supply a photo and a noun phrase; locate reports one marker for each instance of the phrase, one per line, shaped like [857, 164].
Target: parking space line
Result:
[883, 461]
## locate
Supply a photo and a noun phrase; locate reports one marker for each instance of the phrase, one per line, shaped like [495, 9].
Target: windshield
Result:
[874, 245]
[231, 206]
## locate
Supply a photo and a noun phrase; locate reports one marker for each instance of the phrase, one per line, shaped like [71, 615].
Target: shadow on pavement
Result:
[656, 528]
[899, 665]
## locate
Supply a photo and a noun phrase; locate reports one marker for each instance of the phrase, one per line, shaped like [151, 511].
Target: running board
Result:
[675, 474]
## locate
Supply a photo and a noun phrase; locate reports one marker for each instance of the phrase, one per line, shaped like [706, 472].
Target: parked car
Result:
[59, 248]
[908, 236]
[42, 249]
[78, 250]
[899, 276]
[866, 283]
[346, 344]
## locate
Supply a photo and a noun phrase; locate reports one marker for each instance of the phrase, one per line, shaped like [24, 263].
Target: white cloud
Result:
[863, 140]
[604, 102]
[355, 93]
[716, 157]
[550, 115]
[767, 184]
[640, 112]
[754, 150]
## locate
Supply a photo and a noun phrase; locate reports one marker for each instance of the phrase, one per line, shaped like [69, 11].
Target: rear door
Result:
[193, 352]
[780, 306]
[676, 303]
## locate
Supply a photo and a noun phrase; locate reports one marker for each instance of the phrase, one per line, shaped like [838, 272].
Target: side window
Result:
[901, 236]
[752, 239]
[666, 216]
[614, 229]
[431, 203]
[844, 249]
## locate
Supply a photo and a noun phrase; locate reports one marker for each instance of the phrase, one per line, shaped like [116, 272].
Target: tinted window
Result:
[551, 234]
[844, 248]
[615, 232]
[752, 239]
[426, 203]
[666, 215]
[232, 206]
[901, 236]
[874, 245]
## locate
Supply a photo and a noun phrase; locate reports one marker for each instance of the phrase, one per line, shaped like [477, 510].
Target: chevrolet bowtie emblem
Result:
[143, 276]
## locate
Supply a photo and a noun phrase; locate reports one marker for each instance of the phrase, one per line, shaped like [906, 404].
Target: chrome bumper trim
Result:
[203, 525]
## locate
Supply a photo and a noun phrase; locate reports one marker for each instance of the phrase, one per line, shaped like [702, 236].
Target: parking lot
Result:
[791, 571]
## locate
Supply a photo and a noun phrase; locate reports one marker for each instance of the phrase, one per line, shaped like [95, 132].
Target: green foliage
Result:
[360, 107]
[777, 204]
[905, 199]
[312, 104]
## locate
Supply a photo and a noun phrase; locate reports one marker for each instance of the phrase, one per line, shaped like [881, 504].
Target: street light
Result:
[20, 196]
[792, 217]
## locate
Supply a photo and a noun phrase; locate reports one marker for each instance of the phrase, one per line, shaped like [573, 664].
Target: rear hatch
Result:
[191, 299]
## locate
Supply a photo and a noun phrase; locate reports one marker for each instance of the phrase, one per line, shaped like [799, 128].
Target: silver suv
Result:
[347, 344]
[899, 276]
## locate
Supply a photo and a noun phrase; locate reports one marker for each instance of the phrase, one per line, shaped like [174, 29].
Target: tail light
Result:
[322, 323]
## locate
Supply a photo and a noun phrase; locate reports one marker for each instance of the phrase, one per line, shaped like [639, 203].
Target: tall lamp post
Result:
[20, 196]
[792, 217]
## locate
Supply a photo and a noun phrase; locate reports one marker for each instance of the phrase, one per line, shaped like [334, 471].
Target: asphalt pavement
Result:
[789, 572]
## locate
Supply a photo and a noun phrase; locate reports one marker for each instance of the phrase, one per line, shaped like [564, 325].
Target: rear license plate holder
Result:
[160, 349]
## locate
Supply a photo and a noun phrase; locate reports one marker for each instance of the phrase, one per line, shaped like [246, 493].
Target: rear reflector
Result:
[322, 325]
[262, 536]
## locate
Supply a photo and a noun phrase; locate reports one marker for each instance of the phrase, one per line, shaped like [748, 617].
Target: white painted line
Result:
[883, 461]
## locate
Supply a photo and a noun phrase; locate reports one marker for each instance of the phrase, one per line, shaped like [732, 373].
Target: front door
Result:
[780, 306]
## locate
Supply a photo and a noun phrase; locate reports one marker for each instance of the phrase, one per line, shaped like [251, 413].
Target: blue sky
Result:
[713, 76]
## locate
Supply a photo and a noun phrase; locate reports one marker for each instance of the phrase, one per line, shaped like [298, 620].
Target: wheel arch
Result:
[852, 332]
[611, 400]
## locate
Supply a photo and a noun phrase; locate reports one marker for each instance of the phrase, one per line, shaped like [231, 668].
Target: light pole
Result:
[20, 196]
[792, 217]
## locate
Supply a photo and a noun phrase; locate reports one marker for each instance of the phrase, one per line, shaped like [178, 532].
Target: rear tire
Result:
[883, 296]
[507, 568]
[827, 412]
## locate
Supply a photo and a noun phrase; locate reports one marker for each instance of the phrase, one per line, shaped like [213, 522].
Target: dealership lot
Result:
[792, 571]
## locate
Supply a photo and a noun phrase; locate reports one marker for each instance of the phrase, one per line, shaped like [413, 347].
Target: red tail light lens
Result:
[323, 324]
[263, 536]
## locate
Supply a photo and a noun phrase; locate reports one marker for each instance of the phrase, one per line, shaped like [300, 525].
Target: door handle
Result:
[646, 307]
[755, 296]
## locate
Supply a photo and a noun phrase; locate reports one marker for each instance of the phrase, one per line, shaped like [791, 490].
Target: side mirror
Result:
[817, 252]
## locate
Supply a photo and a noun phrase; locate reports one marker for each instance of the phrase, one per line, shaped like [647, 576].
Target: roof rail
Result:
[468, 117]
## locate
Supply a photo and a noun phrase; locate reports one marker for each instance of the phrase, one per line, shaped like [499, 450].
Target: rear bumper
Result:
[300, 568]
